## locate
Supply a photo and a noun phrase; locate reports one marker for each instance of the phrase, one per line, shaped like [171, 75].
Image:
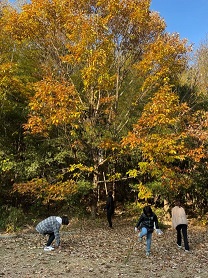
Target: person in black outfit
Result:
[145, 225]
[110, 208]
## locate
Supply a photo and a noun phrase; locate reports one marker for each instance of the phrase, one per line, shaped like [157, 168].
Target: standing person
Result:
[110, 208]
[180, 223]
[145, 225]
[51, 226]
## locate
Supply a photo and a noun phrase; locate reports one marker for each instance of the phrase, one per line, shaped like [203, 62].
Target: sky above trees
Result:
[188, 18]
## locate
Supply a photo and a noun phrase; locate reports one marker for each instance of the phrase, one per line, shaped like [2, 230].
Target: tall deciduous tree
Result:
[100, 62]
[193, 89]
[13, 101]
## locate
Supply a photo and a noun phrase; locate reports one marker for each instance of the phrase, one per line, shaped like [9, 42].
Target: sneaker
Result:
[186, 250]
[147, 254]
[48, 248]
[179, 246]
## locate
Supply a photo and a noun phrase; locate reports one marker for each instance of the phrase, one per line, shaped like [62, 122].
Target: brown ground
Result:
[94, 250]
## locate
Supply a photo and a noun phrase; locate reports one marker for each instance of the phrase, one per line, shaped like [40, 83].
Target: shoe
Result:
[186, 250]
[48, 248]
[147, 254]
[179, 246]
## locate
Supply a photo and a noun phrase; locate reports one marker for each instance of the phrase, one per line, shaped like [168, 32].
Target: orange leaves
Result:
[108, 144]
[45, 191]
[164, 136]
[197, 131]
[54, 103]
[164, 109]
[167, 134]
[156, 130]
[198, 125]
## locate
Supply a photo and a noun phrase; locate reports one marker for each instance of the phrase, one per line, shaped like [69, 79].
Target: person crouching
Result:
[51, 226]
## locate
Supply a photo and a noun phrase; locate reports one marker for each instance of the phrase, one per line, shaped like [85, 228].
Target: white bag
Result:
[158, 231]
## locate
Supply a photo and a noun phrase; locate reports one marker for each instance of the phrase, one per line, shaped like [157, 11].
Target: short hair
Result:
[65, 220]
[110, 193]
[178, 203]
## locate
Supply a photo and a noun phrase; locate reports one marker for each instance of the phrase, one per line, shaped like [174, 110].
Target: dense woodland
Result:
[97, 96]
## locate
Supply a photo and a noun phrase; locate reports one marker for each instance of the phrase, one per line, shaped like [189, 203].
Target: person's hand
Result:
[159, 232]
[136, 229]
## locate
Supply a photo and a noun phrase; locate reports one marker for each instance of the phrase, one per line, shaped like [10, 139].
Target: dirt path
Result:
[103, 252]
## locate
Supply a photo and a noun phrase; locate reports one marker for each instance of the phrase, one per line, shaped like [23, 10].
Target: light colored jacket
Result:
[49, 225]
[178, 216]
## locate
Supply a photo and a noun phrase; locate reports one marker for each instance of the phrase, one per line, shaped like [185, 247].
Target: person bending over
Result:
[51, 226]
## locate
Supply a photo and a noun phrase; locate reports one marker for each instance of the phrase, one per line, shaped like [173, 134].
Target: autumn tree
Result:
[13, 102]
[171, 139]
[193, 89]
[100, 62]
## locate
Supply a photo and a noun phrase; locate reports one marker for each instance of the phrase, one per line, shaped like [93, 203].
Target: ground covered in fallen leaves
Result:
[91, 249]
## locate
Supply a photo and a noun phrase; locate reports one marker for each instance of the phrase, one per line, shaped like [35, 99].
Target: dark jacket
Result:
[110, 204]
[148, 222]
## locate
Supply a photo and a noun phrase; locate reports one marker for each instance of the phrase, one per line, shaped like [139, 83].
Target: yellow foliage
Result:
[162, 61]
[81, 168]
[144, 192]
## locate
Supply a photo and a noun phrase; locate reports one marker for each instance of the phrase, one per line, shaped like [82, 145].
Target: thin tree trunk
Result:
[105, 184]
[167, 209]
[95, 196]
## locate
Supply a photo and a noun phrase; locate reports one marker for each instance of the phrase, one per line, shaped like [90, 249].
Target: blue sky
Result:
[189, 18]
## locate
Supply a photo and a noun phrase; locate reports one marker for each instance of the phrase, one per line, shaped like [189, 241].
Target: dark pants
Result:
[183, 228]
[109, 217]
[50, 239]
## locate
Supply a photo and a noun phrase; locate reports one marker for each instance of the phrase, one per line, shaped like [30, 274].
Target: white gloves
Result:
[135, 229]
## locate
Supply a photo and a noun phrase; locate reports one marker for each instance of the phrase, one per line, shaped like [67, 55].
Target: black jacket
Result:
[110, 204]
[148, 222]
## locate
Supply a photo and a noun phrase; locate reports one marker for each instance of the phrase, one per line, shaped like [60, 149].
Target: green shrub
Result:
[11, 218]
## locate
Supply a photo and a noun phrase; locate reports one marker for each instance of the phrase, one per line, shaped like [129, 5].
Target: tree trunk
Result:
[167, 210]
[94, 196]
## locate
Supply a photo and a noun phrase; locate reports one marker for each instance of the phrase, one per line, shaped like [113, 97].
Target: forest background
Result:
[94, 97]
